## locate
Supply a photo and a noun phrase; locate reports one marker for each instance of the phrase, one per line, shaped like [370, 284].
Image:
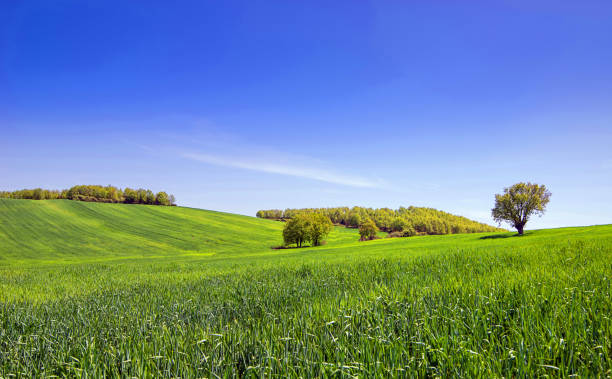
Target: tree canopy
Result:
[320, 226]
[367, 230]
[519, 202]
[95, 193]
[407, 221]
[296, 231]
[306, 227]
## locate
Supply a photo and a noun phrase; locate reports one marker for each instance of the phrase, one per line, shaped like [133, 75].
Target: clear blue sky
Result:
[238, 106]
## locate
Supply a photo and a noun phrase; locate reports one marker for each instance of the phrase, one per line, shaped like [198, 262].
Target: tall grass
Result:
[538, 305]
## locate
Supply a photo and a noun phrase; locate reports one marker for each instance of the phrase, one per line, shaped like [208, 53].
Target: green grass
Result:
[92, 290]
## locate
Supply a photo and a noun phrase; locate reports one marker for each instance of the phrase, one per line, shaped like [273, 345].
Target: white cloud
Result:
[295, 170]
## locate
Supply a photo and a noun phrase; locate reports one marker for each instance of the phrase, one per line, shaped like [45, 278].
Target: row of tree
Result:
[307, 228]
[95, 193]
[407, 221]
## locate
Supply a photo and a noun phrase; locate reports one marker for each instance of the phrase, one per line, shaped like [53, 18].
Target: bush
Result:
[398, 224]
[409, 231]
[395, 235]
[368, 230]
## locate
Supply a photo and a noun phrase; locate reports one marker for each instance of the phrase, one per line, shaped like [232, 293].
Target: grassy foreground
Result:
[89, 289]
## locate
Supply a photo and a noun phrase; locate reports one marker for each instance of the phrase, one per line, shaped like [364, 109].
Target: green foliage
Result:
[398, 224]
[274, 214]
[162, 199]
[150, 197]
[94, 193]
[395, 235]
[296, 231]
[320, 226]
[306, 227]
[354, 220]
[408, 231]
[415, 220]
[109, 290]
[519, 202]
[34, 194]
[130, 196]
[368, 230]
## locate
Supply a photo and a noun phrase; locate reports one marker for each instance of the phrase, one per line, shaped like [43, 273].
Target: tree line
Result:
[95, 193]
[400, 222]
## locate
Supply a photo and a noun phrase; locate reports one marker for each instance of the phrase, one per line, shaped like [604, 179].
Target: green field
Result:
[91, 289]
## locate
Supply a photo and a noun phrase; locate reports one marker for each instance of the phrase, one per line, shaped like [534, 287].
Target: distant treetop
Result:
[95, 193]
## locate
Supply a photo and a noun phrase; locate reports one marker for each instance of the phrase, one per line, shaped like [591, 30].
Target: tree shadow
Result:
[497, 236]
[281, 247]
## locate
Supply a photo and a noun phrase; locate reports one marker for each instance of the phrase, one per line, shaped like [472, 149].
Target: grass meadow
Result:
[92, 290]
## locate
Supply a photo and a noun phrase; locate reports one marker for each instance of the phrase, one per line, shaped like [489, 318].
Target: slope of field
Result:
[71, 230]
[124, 290]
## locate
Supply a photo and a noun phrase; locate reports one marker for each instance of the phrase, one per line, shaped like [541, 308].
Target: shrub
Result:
[409, 231]
[368, 230]
[395, 235]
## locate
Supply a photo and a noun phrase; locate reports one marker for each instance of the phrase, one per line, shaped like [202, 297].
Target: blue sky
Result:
[239, 106]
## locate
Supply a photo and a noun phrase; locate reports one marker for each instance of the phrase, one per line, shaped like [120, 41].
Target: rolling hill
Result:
[74, 230]
[132, 290]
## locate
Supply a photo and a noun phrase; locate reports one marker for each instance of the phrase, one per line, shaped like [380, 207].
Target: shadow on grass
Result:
[283, 247]
[496, 236]
[288, 247]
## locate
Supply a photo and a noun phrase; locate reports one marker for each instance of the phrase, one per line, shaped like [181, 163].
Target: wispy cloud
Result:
[296, 170]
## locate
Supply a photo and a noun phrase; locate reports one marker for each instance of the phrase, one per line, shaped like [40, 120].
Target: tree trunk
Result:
[520, 229]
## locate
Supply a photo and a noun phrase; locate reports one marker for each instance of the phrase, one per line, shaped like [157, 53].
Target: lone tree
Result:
[519, 202]
[368, 230]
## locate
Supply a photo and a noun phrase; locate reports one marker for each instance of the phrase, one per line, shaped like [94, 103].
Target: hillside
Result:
[65, 230]
[143, 291]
